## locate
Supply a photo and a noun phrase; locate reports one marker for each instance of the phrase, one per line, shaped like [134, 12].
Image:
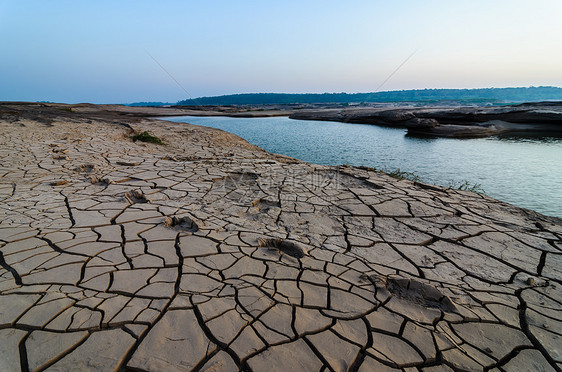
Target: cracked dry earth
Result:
[210, 254]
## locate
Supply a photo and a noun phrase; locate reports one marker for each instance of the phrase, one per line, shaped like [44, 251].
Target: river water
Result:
[526, 172]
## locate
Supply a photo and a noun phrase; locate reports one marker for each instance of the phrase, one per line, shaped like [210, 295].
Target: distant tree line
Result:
[508, 95]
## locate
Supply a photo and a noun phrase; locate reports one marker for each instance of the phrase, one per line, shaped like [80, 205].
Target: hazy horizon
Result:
[108, 52]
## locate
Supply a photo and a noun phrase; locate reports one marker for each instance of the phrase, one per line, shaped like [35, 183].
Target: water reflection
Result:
[543, 138]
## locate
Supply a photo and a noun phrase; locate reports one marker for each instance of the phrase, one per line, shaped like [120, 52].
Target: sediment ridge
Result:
[207, 253]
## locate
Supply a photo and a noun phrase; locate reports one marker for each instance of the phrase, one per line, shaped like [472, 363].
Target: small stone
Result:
[59, 183]
[127, 163]
[136, 196]
[182, 223]
[283, 246]
[97, 179]
[86, 168]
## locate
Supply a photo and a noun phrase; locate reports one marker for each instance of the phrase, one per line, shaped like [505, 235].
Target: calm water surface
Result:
[523, 171]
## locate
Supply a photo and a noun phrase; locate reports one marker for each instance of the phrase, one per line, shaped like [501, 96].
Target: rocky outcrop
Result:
[210, 254]
[421, 124]
[431, 127]
[544, 117]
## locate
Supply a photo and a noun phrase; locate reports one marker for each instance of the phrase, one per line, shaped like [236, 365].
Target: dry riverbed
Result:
[208, 253]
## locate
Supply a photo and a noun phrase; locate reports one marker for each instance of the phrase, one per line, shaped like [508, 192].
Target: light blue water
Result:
[526, 172]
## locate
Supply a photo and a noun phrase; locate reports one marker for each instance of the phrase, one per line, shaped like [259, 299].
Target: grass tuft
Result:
[402, 175]
[147, 137]
[466, 186]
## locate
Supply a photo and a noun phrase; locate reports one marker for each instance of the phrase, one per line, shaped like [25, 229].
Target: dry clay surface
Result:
[209, 254]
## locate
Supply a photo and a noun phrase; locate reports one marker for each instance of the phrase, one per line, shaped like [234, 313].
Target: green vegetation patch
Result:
[147, 137]
[402, 175]
[464, 185]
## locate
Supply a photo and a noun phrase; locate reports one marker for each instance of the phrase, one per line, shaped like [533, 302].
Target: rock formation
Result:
[542, 117]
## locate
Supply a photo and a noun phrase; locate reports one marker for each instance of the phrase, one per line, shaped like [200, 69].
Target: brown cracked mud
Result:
[397, 276]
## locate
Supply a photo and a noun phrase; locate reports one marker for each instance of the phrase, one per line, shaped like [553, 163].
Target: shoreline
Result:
[208, 252]
[294, 141]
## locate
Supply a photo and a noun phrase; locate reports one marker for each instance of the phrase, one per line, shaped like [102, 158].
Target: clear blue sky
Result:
[97, 51]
